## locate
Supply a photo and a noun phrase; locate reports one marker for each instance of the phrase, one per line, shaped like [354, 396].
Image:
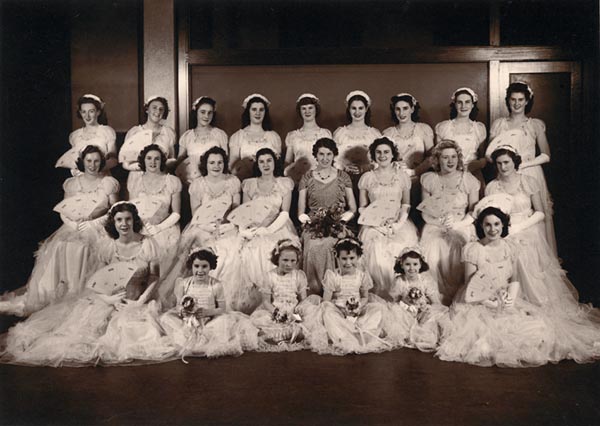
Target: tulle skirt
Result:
[63, 263]
[518, 336]
[443, 252]
[231, 333]
[380, 252]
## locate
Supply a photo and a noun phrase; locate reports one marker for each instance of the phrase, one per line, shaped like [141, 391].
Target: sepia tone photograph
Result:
[318, 212]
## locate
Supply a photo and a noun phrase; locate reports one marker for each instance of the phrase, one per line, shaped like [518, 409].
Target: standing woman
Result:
[464, 130]
[382, 243]
[200, 137]
[153, 131]
[299, 142]
[326, 194]
[215, 186]
[414, 140]
[526, 135]
[354, 138]
[449, 194]
[158, 198]
[66, 259]
[90, 108]
[256, 133]
[275, 190]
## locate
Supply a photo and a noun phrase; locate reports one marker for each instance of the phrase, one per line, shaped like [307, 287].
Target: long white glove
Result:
[171, 220]
[304, 218]
[536, 217]
[281, 220]
[91, 223]
[347, 216]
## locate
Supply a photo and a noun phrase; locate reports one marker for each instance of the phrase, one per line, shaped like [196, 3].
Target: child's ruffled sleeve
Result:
[366, 282]
[301, 282]
[331, 281]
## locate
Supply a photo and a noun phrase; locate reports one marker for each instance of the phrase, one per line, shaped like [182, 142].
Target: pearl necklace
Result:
[318, 172]
[410, 135]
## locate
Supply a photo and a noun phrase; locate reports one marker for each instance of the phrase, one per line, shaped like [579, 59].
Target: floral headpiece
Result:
[465, 89]
[255, 95]
[399, 95]
[96, 98]
[197, 249]
[118, 203]
[197, 101]
[358, 93]
[416, 249]
[507, 148]
[152, 98]
[286, 243]
[501, 201]
[307, 95]
[529, 89]
[351, 240]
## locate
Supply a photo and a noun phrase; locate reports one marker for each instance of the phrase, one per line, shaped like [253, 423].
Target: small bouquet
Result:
[326, 222]
[418, 299]
[188, 312]
[352, 307]
[280, 316]
[287, 327]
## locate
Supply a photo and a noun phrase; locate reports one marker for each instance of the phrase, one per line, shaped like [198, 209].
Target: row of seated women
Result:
[120, 305]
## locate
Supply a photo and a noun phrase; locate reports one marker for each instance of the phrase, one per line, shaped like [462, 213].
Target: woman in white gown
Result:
[153, 131]
[465, 131]
[67, 258]
[449, 194]
[201, 136]
[527, 135]
[90, 108]
[256, 133]
[383, 242]
[299, 142]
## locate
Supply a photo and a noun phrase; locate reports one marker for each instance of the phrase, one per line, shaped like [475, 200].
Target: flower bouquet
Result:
[326, 222]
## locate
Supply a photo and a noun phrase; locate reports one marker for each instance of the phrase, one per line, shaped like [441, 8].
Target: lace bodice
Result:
[468, 142]
[197, 145]
[207, 296]
[344, 287]
[161, 194]
[284, 289]
[377, 189]
[411, 148]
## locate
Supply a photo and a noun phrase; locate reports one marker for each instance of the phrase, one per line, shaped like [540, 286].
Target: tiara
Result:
[197, 101]
[152, 98]
[307, 95]
[529, 89]
[501, 201]
[399, 95]
[286, 243]
[358, 93]
[351, 240]
[507, 148]
[196, 249]
[416, 249]
[465, 89]
[255, 95]
[118, 203]
[94, 97]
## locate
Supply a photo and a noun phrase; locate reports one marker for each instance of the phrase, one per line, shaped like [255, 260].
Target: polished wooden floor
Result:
[403, 387]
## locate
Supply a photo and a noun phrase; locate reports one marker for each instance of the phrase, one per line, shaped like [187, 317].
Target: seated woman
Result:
[107, 322]
[212, 197]
[153, 131]
[287, 320]
[270, 192]
[256, 133]
[384, 240]
[95, 131]
[199, 325]
[490, 323]
[66, 259]
[199, 138]
[158, 198]
[327, 195]
[448, 193]
[299, 142]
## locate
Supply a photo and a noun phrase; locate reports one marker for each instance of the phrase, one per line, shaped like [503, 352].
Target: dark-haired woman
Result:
[109, 321]
[218, 191]
[256, 133]
[490, 323]
[464, 130]
[543, 282]
[90, 109]
[157, 196]
[66, 259]
[325, 202]
[299, 142]
[383, 242]
[354, 138]
[199, 138]
[274, 191]
[528, 136]
[153, 131]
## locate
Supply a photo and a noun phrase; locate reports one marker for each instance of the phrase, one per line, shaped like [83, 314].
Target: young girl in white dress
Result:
[199, 325]
[201, 136]
[465, 131]
[90, 108]
[383, 242]
[153, 131]
[286, 315]
[256, 133]
[353, 324]
[299, 142]
[416, 312]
